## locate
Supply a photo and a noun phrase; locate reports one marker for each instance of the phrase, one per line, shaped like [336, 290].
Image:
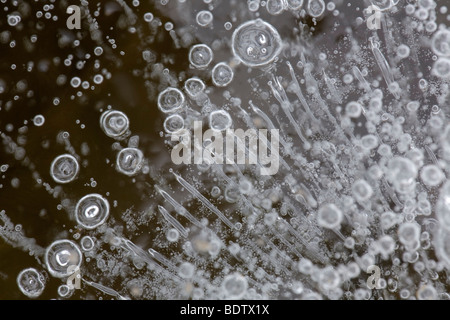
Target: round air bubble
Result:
[172, 235]
[194, 87]
[402, 173]
[294, 4]
[275, 7]
[62, 258]
[427, 292]
[204, 18]
[200, 56]
[369, 141]
[441, 68]
[171, 100]
[87, 243]
[353, 109]
[443, 206]
[114, 123]
[220, 120]
[409, 235]
[64, 168]
[173, 124]
[64, 291]
[329, 216]
[440, 43]
[234, 286]
[403, 51]
[222, 74]
[91, 211]
[256, 43]
[129, 161]
[362, 191]
[31, 282]
[329, 278]
[315, 8]
[38, 120]
[186, 270]
[432, 175]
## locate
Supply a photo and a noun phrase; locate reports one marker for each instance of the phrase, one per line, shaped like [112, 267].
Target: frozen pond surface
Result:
[113, 185]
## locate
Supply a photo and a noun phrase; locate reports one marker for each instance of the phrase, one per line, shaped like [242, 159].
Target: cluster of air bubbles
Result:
[64, 168]
[402, 173]
[256, 43]
[14, 19]
[31, 282]
[222, 74]
[171, 100]
[200, 56]
[220, 120]
[62, 258]
[115, 124]
[91, 211]
[129, 161]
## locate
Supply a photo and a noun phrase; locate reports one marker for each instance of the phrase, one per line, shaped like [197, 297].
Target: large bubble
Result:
[64, 168]
[256, 43]
[114, 123]
[31, 282]
[62, 258]
[129, 161]
[92, 211]
[171, 100]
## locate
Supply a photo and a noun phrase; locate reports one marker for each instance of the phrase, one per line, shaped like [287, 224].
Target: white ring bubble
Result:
[294, 4]
[91, 211]
[222, 74]
[194, 86]
[173, 124]
[171, 100]
[204, 18]
[220, 120]
[64, 168]
[316, 8]
[275, 7]
[87, 243]
[441, 68]
[60, 256]
[256, 43]
[329, 216]
[129, 161]
[38, 120]
[235, 286]
[200, 56]
[115, 124]
[440, 43]
[30, 282]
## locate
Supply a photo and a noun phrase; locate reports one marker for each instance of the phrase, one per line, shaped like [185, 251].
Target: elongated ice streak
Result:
[205, 201]
[158, 256]
[386, 70]
[179, 208]
[357, 73]
[105, 289]
[174, 222]
[280, 95]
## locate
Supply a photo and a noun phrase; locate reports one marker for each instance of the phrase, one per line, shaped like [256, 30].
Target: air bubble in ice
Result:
[275, 7]
[200, 56]
[172, 235]
[186, 270]
[294, 4]
[173, 123]
[441, 68]
[353, 109]
[432, 175]
[222, 74]
[60, 256]
[91, 211]
[408, 234]
[235, 286]
[329, 216]
[402, 173]
[194, 86]
[440, 42]
[31, 283]
[64, 168]
[171, 100]
[220, 120]
[129, 161]
[38, 120]
[316, 8]
[87, 243]
[362, 191]
[256, 43]
[114, 123]
[204, 18]
[427, 292]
